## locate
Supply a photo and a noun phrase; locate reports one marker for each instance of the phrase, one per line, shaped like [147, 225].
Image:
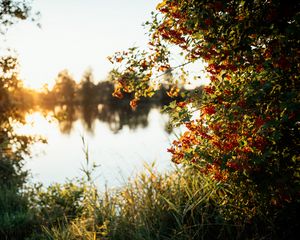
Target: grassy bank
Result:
[182, 204]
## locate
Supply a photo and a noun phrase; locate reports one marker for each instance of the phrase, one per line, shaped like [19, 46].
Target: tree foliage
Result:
[12, 11]
[247, 129]
[15, 216]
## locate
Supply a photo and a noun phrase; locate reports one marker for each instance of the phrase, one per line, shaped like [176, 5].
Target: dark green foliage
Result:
[15, 215]
[58, 202]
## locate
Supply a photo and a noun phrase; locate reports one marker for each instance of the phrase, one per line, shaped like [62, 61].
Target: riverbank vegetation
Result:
[239, 155]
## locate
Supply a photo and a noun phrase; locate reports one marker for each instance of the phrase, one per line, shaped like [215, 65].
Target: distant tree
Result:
[87, 88]
[104, 90]
[65, 88]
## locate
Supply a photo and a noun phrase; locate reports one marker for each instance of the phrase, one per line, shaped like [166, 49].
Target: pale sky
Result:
[76, 35]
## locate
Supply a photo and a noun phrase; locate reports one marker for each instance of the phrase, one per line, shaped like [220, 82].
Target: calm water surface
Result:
[119, 150]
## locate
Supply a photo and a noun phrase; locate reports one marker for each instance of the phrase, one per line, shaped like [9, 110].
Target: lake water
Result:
[120, 144]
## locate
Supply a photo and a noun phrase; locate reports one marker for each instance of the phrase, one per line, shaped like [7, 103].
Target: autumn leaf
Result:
[161, 5]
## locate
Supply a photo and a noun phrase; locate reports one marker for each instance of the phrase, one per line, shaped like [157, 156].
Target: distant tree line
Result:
[67, 92]
[87, 100]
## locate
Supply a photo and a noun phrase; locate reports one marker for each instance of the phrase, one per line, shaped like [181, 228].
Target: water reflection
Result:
[88, 101]
[119, 154]
[115, 115]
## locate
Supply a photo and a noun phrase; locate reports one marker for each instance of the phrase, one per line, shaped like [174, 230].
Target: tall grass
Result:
[182, 204]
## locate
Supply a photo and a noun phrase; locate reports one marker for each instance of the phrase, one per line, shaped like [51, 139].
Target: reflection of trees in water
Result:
[88, 115]
[116, 116]
[66, 116]
[89, 101]
[119, 115]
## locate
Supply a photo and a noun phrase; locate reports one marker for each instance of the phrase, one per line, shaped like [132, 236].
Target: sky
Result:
[77, 35]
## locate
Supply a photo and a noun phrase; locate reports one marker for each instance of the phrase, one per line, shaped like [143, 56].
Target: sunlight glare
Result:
[36, 124]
